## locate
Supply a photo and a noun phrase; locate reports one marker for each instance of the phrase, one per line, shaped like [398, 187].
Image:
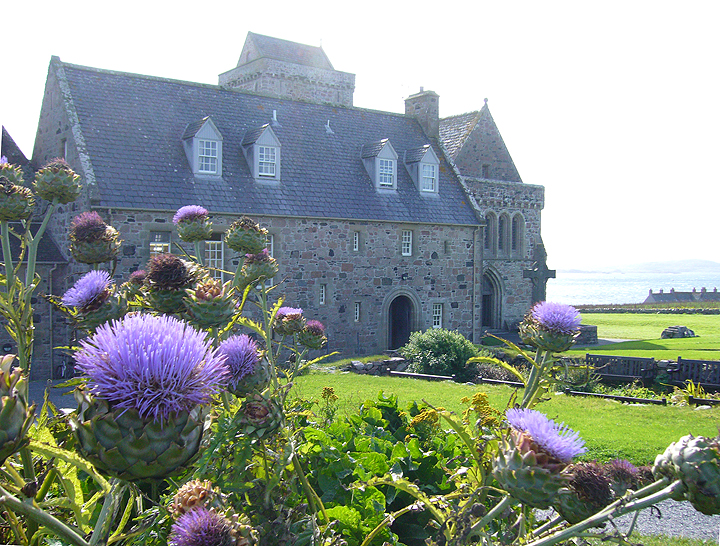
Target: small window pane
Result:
[357, 311]
[437, 315]
[356, 241]
[159, 242]
[267, 159]
[407, 242]
[214, 257]
[386, 173]
[207, 156]
[429, 178]
[323, 293]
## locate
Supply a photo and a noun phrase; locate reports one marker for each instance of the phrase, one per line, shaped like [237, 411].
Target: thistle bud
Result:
[57, 180]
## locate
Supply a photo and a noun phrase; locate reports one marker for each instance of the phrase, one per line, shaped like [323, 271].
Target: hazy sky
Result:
[614, 107]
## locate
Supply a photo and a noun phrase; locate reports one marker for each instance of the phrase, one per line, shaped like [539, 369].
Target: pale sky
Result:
[613, 106]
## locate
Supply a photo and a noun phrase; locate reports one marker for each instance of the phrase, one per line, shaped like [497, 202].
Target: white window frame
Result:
[270, 244]
[406, 242]
[429, 178]
[159, 243]
[215, 257]
[356, 241]
[386, 172]
[322, 298]
[437, 315]
[357, 311]
[267, 161]
[208, 156]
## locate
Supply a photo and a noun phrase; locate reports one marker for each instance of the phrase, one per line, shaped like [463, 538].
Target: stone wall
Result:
[314, 252]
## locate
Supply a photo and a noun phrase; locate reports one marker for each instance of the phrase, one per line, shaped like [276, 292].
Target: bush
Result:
[440, 352]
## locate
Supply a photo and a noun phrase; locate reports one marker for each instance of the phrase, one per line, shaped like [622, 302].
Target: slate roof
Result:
[291, 52]
[413, 156]
[133, 127]
[455, 129]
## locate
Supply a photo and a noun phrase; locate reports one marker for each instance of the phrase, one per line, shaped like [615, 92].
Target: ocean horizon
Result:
[616, 287]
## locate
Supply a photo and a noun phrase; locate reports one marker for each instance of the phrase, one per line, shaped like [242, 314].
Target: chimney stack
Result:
[424, 106]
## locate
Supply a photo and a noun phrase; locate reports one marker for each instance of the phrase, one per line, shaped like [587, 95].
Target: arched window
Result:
[503, 234]
[517, 235]
[490, 232]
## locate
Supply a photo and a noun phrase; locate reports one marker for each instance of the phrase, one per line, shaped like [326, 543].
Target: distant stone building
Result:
[382, 223]
[682, 297]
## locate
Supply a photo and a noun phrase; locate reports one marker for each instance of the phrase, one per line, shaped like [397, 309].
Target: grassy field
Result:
[645, 331]
[611, 430]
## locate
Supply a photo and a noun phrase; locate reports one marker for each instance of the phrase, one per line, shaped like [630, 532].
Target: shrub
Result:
[440, 352]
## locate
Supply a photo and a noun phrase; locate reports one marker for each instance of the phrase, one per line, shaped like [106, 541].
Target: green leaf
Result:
[498, 362]
[49, 451]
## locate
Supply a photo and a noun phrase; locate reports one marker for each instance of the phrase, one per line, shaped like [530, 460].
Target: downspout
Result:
[52, 323]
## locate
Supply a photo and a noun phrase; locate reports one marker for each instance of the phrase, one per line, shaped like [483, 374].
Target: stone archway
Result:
[401, 314]
[491, 301]
[400, 322]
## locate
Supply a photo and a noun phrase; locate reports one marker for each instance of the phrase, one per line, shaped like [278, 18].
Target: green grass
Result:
[645, 330]
[650, 540]
[611, 430]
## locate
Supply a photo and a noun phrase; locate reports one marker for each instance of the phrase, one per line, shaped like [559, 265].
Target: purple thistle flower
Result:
[242, 356]
[138, 277]
[159, 366]
[189, 213]
[262, 256]
[315, 328]
[556, 317]
[87, 226]
[559, 441]
[201, 527]
[87, 289]
[285, 312]
[3, 160]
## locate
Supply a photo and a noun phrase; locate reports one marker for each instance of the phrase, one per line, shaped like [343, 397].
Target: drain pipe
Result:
[52, 323]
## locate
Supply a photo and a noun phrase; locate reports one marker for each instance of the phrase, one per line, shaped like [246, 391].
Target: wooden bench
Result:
[623, 368]
[700, 372]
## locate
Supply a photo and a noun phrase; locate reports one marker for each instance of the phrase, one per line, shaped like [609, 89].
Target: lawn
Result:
[645, 331]
[611, 430]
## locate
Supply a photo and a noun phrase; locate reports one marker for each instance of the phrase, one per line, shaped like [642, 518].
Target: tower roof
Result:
[259, 46]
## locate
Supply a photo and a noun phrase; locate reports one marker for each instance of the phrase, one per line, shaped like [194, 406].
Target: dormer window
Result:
[262, 151]
[429, 178]
[267, 158]
[203, 147]
[380, 162]
[207, 156]
[386, 173]
[423, 166]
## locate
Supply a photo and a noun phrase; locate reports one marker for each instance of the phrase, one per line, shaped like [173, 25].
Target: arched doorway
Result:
[491, 311]
[400, 321]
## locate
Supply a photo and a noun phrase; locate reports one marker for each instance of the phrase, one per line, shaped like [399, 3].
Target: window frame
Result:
[264, 162]
[158, 246]
[356, 241]
[358, 311]
[322, 296]
[437, 315]
[406, 242]
[387, 170]
[208, 149]
[424, 178]
[211, 256]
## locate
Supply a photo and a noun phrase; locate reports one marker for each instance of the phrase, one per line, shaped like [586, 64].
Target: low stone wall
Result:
[588, 335]
[651, 310]
[378, 367]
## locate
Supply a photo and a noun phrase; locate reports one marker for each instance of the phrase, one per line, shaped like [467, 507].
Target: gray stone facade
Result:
[471, 240]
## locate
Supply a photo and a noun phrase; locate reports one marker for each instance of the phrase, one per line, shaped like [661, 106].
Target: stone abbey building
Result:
[382, 223]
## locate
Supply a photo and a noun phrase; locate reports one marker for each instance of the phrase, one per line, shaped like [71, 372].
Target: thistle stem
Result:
[487, 518]
[199, 252]
[616, 509]
[43, 518]
[102, 526]
[313, 499]
[7, 256]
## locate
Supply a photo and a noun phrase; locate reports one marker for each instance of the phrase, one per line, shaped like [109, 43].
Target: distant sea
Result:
[586, 288]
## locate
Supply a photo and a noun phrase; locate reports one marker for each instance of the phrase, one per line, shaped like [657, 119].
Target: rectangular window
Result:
[357, 311]
[386, 173]
[429, 178]
[63, 148]
[207, 156]
[437, 315]
[214, 256]
[323, 294]
[356, 241]
[406, 242]
[270, 244]
[159, 242]
[267, 160]
[486, 171]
